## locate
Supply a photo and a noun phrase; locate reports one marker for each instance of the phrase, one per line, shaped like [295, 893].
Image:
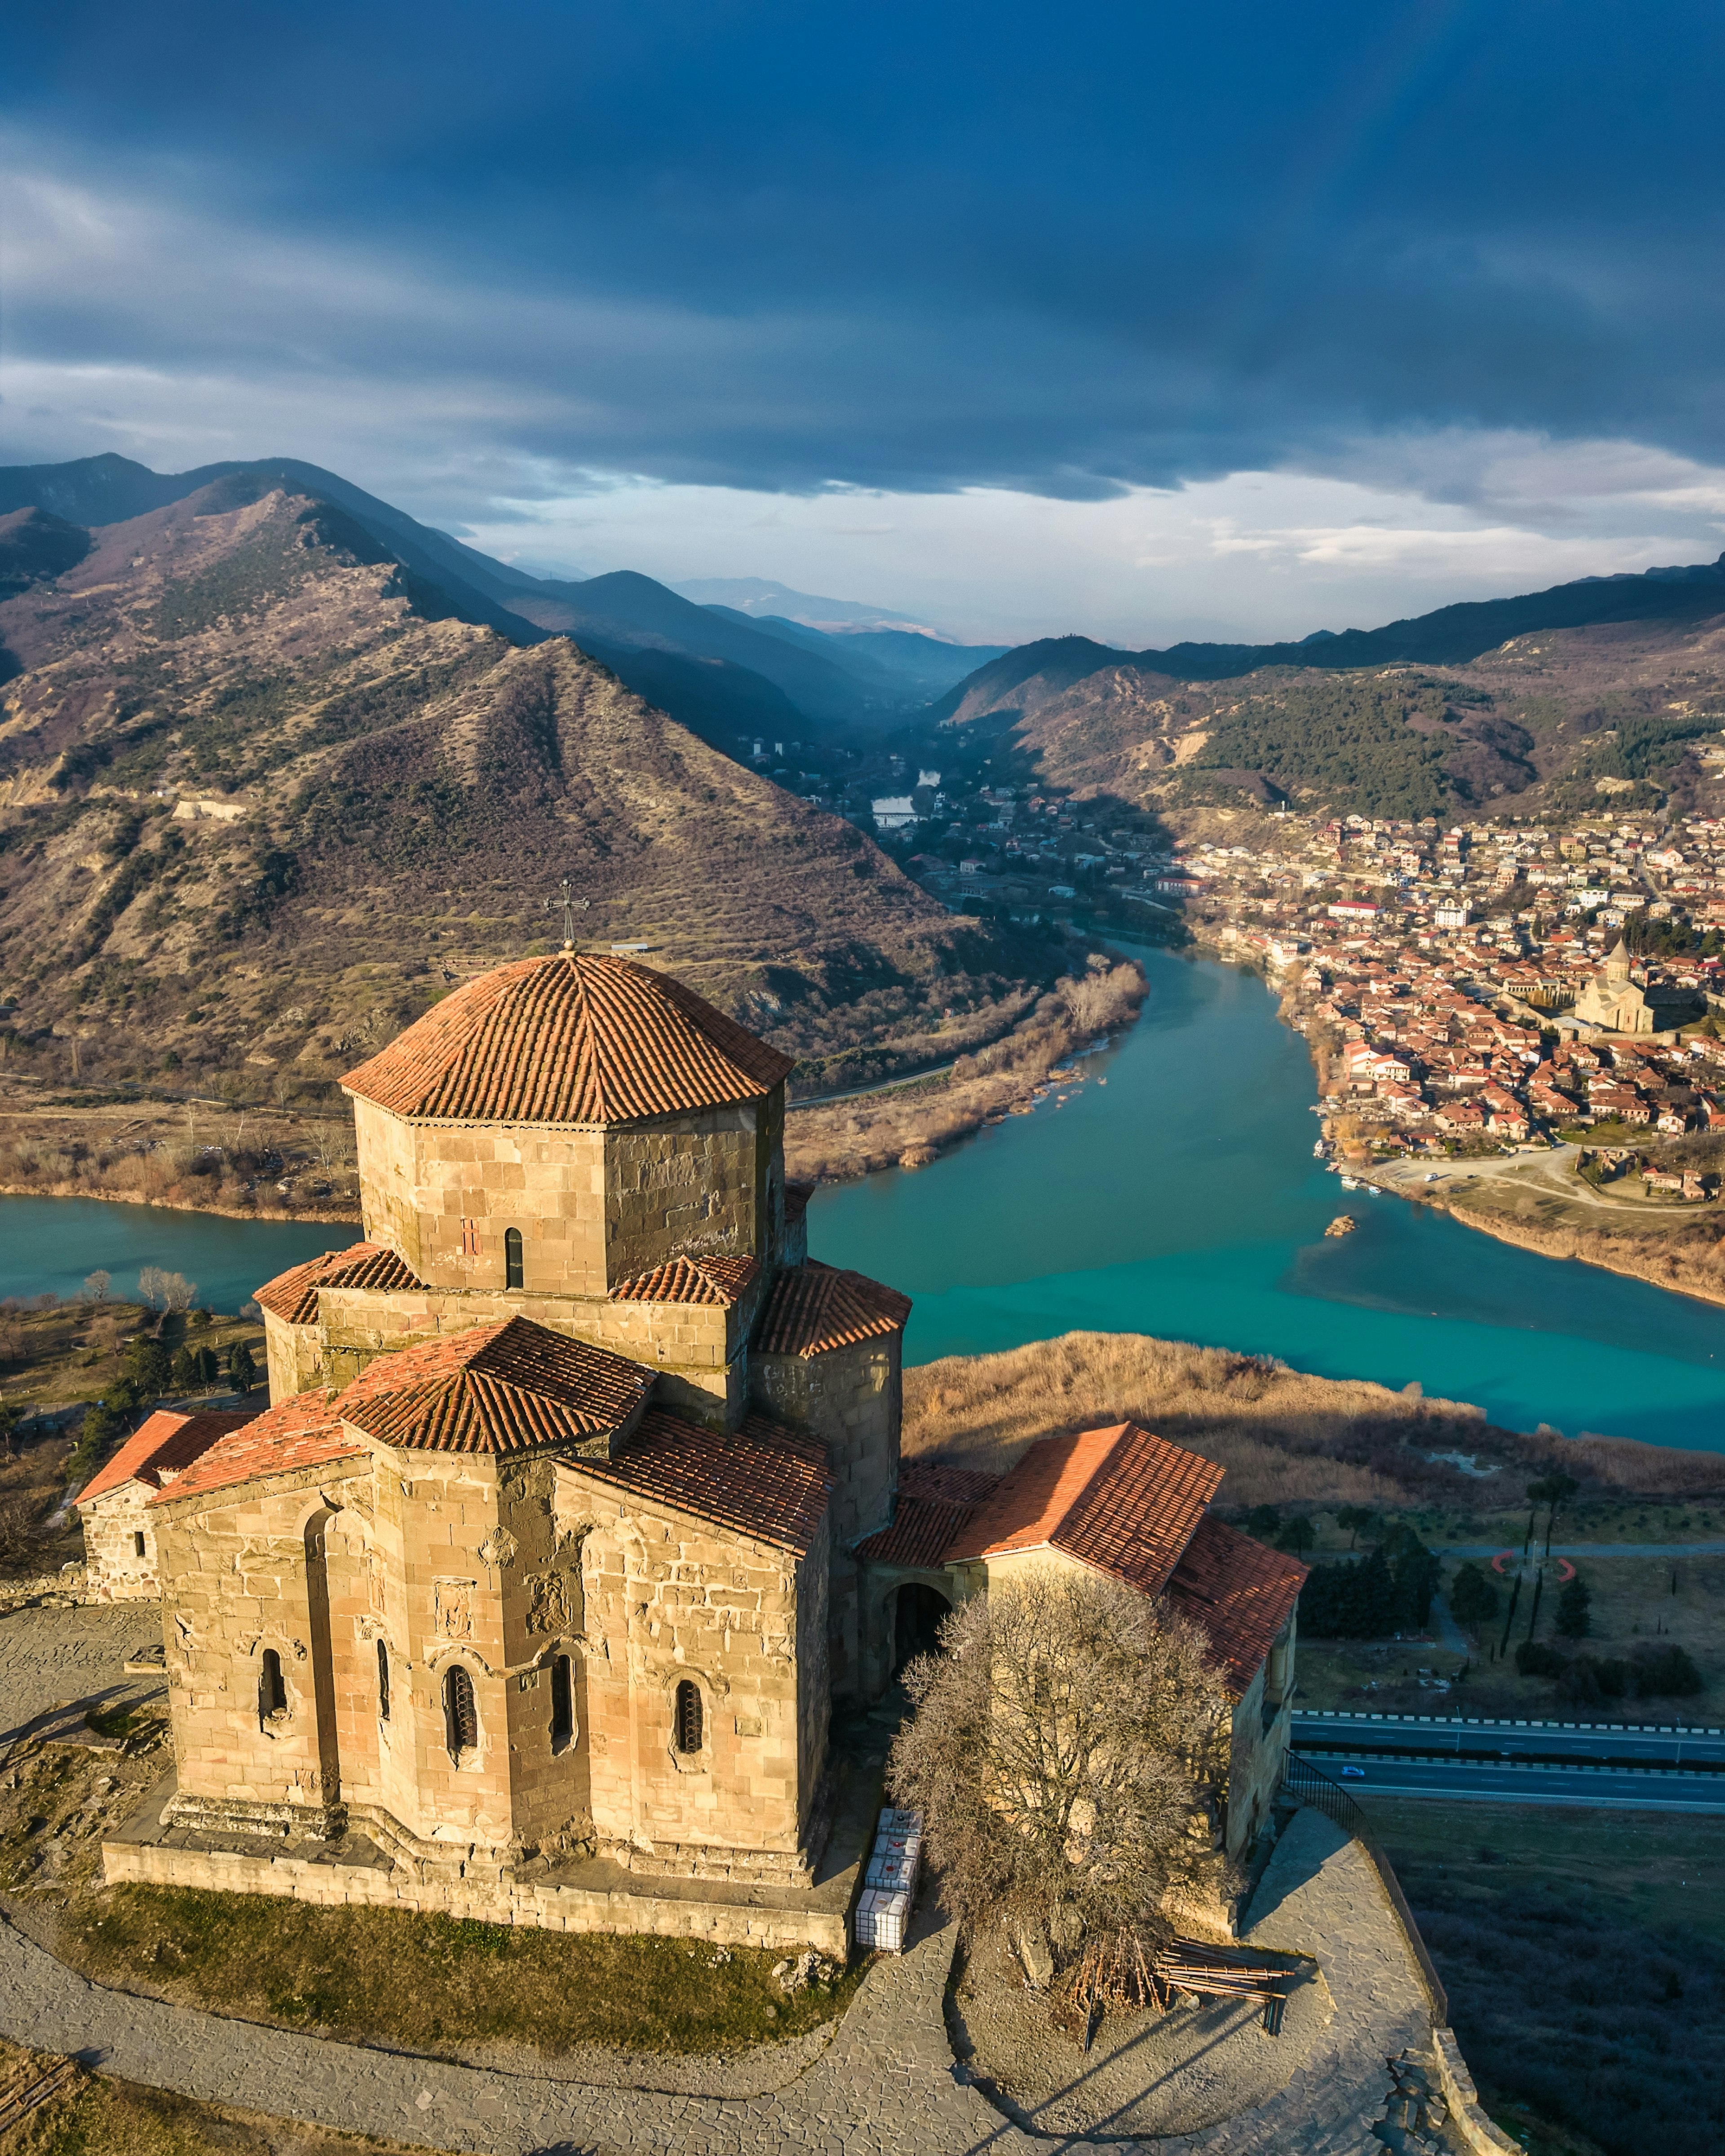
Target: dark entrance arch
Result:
[917, 1611]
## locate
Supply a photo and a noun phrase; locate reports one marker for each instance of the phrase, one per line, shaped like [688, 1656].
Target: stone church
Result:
[579, 1500]
[1611, 1002]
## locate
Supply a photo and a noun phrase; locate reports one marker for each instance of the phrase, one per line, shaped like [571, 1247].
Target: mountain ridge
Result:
[264, 791]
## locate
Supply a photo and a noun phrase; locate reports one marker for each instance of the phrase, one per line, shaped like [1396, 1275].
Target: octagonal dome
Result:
[574, 1038]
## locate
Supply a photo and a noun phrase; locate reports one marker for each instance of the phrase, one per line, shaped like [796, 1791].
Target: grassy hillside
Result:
[264, 794]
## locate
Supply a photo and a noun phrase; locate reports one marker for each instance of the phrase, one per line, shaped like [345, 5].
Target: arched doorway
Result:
[917, 1612]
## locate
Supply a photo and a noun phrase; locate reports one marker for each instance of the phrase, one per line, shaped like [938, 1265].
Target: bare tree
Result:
[96, 1286]
[1066, 1750]
[151, 1281]
[178, 1292]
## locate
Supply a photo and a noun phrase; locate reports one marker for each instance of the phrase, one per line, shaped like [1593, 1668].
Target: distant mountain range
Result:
[1590, 692]
[278, 764]
[715, 669]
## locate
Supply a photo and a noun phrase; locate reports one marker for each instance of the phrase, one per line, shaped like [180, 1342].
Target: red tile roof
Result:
[763, 1480]
[1118, 1499]
[934, 1505]
[494, 1389]
[302, 1431]
[682, 1279]
[164, 1444]
[293, 1294]
[570, 1038]
[814, 1308]
[1240, 1593]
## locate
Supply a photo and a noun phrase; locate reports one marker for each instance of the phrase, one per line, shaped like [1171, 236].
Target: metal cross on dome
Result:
[571, 906]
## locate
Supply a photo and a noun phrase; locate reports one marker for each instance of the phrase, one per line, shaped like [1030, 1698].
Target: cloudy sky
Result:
[1147, 320]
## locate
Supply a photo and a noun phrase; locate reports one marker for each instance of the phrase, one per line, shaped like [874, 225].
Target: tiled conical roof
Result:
[570, 1038]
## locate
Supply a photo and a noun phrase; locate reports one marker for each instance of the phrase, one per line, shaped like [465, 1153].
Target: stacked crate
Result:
[883, 1915]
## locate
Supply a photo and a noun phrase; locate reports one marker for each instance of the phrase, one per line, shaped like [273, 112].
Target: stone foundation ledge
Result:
[351, 1871]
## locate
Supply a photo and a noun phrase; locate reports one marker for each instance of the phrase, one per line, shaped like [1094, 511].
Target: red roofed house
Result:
[1122, 1502]
[544, 1553]
[119, 1530]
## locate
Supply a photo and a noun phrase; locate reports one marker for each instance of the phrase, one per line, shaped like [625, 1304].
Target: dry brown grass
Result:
[1286, 1438]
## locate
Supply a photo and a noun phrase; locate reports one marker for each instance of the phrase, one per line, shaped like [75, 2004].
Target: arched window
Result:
[272, 1692]
[460, 1719]
[562, 1703]
[688, 1720]
[382, 1682]
[512, 1257]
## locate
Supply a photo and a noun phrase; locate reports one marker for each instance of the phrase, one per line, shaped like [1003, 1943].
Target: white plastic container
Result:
[893, 1871]
[883, 1920]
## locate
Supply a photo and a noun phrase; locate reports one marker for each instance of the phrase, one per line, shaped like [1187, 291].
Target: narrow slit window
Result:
[272, 1692]
[382, 1682]
[512, 1257]
[688, 1716]
[562, 1701]
[137, 1541]
[460, 1719]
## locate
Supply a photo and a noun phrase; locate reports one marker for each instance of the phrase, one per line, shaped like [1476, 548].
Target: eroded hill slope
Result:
[263, 793]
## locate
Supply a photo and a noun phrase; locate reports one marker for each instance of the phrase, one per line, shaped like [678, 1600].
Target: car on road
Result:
[1353, 1773]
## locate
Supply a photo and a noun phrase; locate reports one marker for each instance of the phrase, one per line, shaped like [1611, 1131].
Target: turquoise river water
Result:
[1180, 1199]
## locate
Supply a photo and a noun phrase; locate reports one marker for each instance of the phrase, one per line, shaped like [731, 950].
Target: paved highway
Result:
[1600, 1788]
[1322, 1737]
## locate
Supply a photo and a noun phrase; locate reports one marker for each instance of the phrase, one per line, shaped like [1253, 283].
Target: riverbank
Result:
[910, 1125]
[346, 1217]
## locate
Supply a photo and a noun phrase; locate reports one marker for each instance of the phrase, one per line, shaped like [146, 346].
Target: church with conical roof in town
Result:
[579, 1501]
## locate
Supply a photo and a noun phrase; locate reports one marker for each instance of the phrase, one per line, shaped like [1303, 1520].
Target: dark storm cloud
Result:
[908, 247]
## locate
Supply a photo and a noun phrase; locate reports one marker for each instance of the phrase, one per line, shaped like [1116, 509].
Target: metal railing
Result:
[1310, 1785]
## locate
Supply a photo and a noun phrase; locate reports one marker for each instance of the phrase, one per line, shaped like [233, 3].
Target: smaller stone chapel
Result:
[579, 1501]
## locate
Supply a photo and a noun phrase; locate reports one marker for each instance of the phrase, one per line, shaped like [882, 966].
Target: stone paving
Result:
[47, 1654]
[887, 2084]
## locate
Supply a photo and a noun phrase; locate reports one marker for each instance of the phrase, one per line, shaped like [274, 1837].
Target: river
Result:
[1181, 1198]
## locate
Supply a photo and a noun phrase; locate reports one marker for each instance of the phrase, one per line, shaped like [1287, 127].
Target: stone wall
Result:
[699, 1349]
[117, 1568]
[423, 1563]
[593, 1207]
[552, 1908]
[852, 1400]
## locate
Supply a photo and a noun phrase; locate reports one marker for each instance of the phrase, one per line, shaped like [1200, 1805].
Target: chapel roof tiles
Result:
[494, 1389]
[934, 1505]
[164, 1445]
[1240, 1593]
[1119, 1499]
[300, 1431]
[573, 1038]
[683, 1279]
[762, 1478]
[813, 1308]
[293, 1294]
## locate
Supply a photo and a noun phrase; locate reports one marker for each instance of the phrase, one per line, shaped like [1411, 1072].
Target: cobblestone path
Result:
[887, 2085]
[50, 1655]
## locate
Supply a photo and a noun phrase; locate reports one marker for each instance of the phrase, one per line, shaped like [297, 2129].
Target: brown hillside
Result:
[262, 797]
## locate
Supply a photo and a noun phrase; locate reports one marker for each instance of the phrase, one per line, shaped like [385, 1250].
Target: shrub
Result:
[1572, 1619]
[1535, 1659]
[148, 1367]
[1664, 1672]
[1473, 1598]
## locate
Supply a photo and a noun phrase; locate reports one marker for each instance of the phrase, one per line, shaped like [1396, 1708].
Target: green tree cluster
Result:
[1387, 1590]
